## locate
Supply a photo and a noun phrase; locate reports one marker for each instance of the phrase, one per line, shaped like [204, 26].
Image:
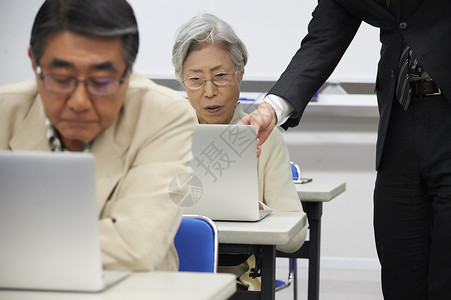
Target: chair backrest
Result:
[295, 171]
[196, 242]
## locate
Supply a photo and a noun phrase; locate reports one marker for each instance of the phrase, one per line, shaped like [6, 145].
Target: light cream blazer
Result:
[136, 160]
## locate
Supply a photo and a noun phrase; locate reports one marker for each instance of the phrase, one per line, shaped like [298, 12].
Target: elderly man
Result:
[85, 97]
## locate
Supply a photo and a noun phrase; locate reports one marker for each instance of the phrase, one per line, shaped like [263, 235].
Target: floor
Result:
[335, 284]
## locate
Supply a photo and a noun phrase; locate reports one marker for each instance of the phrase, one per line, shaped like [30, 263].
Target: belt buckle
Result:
[435, 94]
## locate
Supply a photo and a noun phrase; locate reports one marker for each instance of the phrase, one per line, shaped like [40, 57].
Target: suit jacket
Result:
[136, 159]
[424, 24]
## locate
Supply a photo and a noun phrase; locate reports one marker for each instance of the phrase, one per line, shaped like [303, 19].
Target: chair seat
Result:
[280, 283]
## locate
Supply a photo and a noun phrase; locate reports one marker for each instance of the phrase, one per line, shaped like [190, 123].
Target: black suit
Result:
[414, 146]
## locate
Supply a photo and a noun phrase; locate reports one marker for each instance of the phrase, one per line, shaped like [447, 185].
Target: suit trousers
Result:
[412, 202]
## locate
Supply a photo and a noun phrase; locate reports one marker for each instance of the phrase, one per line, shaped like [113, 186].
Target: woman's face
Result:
[213, 104]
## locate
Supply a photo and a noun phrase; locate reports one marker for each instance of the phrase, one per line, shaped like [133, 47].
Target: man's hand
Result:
[263, 119]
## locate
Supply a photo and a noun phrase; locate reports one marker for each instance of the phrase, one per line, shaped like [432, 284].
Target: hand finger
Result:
[245, 121]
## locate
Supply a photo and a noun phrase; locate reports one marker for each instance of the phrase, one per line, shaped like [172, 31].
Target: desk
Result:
[312, 196]
[260, 238]
[147, 285]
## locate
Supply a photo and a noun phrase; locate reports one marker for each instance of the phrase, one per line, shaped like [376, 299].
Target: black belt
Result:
[424, 88]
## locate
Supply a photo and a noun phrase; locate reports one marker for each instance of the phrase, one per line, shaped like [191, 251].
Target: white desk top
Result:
[147, 285]
[320, 190]
[276, 229]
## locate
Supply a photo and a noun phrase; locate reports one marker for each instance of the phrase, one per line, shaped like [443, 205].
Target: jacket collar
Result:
[238, 114]
[32, 135]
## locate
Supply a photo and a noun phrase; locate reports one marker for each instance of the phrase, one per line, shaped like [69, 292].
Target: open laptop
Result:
[49, 223]
[225, 181]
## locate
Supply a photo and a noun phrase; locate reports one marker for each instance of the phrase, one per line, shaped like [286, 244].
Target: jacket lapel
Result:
[238, 114]
[109, 148]
[32, 134]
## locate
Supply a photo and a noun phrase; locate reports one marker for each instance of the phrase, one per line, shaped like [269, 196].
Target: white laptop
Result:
[49, 223]
[225, 181]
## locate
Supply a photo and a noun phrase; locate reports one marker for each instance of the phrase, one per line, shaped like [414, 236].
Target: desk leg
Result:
[268, 272]
[267, 254]
[294, 269]
[314, 211]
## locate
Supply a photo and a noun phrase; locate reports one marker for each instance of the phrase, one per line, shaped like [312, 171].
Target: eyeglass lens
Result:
[219, 79]
[67, 84]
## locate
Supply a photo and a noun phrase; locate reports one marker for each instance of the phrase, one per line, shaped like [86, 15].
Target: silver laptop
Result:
[49, 223]
[225, 181]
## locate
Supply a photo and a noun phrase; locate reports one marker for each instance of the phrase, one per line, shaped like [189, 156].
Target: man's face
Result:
[79, 115]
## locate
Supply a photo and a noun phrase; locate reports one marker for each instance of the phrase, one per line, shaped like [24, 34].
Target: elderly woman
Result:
[209, 60]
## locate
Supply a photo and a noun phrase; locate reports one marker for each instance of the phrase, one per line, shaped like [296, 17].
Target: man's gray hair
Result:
[104, 18]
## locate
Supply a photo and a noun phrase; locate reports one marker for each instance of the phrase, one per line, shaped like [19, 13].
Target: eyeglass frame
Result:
[85, 82]
[204, 80]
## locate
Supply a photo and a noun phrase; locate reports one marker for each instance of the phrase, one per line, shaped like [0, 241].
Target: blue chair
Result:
[196, 242]
[280, 284]
[295, 171]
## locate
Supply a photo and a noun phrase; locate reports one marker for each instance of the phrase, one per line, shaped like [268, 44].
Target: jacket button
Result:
[403, 25]
[392, 74]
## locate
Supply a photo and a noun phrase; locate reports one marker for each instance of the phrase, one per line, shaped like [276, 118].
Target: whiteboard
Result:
[271, 30]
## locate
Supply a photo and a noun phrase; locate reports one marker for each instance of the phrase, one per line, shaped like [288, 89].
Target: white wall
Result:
[16, 19]
[272, 31]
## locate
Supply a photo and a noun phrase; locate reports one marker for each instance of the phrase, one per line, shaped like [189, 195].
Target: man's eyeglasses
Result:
[220, 79]
[99, 86]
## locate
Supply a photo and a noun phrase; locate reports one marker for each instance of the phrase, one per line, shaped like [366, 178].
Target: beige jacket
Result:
[136, 160]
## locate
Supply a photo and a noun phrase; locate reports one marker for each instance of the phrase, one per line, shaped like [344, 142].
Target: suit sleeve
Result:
[330, 32]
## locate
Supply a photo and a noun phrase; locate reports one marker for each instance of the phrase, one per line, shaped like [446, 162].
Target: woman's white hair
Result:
[207, 28]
